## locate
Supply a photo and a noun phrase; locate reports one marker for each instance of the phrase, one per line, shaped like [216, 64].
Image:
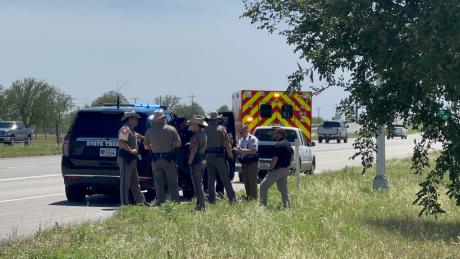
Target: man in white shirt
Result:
[249, 158]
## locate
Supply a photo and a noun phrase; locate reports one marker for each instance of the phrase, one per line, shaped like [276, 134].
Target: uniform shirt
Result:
[128, 135]
[161, 138]
[250, 142]
[217, 135]
[284, 152]
[199, 140]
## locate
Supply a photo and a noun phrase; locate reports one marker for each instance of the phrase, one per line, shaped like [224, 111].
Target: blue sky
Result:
[159, 47]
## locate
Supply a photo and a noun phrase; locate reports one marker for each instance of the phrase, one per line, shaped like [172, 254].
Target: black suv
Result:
[89, 160]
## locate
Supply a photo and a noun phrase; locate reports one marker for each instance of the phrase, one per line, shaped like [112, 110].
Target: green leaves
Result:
[412, 47]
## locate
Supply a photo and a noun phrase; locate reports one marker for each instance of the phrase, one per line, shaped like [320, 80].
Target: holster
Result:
[128, 157]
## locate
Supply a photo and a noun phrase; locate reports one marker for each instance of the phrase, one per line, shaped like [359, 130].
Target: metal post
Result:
[297, 161]
[380, 180]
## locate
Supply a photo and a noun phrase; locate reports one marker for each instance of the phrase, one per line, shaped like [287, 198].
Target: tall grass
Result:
[39, 147]
[333, 215]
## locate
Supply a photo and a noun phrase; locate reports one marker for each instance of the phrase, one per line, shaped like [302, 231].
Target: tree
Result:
[3, 113]
[403, 60]
[109, 97]
[223, 108]
[169, 100]
[29, 100]
[188, 110]
[62, 105]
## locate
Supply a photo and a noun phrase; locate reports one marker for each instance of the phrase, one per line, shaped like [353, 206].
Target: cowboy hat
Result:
[213, 116]
[130, 114]
[158, 114]
[198, 120]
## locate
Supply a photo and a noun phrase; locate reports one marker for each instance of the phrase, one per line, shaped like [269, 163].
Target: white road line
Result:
[16, 167]
[33, 197]
[28, 177]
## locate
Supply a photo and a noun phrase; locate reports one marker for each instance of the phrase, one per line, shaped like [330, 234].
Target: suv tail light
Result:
[66, 146]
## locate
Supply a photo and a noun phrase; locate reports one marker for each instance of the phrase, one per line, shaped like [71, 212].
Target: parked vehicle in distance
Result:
[397, 130]
[334, 130]
[306, 155]
[15, 131]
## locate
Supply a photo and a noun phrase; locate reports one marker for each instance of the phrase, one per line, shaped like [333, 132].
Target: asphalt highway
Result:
[32, 190]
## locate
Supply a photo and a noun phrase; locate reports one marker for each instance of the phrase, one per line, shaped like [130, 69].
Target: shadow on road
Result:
[105, 201]
[419, 228]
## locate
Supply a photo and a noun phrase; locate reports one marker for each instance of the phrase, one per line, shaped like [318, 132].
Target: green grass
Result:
[39, 147]
[333, 216]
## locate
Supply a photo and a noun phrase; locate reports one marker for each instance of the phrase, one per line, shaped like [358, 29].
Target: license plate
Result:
[107, 152]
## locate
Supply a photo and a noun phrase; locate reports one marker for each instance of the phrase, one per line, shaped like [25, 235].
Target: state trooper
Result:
[162, 139]
[127, 159]
[218, 145]
[196, 159]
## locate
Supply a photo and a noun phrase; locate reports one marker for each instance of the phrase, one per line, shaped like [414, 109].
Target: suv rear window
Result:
[267, 135]
[331, 124]
[102, 124]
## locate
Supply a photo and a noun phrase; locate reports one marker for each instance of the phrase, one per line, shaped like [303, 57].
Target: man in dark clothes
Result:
[181, 158]
[279, 169]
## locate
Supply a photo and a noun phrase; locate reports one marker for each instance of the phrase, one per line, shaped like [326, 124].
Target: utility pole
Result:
[380, 180]
[193, 103]
[319, 109]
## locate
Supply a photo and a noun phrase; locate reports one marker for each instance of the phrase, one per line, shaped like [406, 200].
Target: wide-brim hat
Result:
[200, 120]
[158, 114]
[213, 116]
[130, 114]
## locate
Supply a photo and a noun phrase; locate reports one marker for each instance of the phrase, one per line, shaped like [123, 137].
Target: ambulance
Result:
[273, 108]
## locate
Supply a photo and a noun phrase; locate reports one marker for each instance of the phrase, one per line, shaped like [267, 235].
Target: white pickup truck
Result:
[306, 155]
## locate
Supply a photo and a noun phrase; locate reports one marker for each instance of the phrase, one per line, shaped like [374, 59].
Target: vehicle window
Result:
[267, 135]
[331, 124]
[304, 139]
[6, 125]
[102, 124]
[266, 110]
[287, 111]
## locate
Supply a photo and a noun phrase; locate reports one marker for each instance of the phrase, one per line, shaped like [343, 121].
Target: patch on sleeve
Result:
[124, 134]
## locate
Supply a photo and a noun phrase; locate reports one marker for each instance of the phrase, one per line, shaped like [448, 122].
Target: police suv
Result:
[89, 152]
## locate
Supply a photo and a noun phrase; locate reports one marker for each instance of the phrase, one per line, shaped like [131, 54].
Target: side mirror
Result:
[312, 144]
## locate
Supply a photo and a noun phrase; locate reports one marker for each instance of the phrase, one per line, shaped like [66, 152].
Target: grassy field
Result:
[39, 147]
[333, 216]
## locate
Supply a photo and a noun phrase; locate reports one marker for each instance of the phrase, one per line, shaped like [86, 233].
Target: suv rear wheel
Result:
[75, 193]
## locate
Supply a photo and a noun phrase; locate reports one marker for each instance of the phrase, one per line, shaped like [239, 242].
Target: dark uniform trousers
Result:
[129, 180]
[197, 172]
[165, 171]
[249, 172]
[217, 166]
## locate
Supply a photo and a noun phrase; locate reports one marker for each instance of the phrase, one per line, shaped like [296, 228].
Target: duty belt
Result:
[217, 151]
[169, 156]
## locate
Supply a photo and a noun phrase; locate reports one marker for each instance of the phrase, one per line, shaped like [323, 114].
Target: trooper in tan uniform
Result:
[162, 139]
[218, 144]
[196, 158]
[127, 159]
